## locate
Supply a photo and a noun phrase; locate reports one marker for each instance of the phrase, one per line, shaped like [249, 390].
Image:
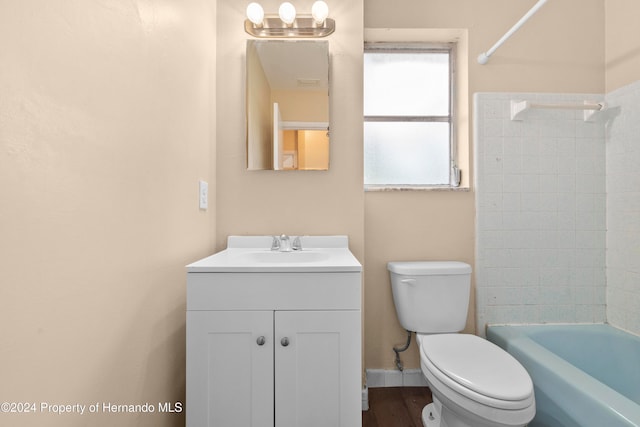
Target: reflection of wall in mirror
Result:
[258, 114]
[302, 105]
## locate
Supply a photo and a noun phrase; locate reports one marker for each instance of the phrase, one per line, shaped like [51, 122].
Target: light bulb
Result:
[287, 13]
[255, 14]
[319, 11]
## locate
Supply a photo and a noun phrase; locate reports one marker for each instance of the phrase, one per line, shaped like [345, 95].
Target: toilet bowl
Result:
[474, 383]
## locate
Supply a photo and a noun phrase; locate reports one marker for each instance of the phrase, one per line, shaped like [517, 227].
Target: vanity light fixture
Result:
[287, 24]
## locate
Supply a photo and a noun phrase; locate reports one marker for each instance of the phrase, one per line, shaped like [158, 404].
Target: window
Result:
[409, 136]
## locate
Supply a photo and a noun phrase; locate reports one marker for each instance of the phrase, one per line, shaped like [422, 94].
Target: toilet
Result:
[474, 383]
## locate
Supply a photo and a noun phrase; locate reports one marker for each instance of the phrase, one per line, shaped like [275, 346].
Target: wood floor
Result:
[396, 406]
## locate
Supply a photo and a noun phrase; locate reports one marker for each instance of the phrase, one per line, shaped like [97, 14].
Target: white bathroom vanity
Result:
[274, 338]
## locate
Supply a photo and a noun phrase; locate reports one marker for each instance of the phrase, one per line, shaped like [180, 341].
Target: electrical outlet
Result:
[204, 195]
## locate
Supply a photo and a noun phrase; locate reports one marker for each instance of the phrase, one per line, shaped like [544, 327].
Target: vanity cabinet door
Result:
[318, 368]
[230, 369]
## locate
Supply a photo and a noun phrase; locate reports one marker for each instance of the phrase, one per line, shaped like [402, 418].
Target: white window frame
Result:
[423, 47]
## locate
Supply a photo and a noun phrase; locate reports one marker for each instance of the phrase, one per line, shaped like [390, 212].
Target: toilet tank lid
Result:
[429, 268]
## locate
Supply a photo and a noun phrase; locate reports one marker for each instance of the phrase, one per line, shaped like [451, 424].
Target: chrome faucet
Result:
[284, 244]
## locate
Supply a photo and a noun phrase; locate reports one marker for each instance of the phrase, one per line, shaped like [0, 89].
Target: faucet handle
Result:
[275, 243]
[297, 244]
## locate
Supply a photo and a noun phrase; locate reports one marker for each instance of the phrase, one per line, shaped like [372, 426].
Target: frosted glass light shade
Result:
[319, 11]
[255, 13]
[287, 13]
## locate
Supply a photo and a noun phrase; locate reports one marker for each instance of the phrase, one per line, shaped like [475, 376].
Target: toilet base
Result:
[430, 418]
[437, 415]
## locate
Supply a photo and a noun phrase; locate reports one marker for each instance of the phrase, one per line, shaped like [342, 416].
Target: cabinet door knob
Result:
[261, 340]
[284, 341]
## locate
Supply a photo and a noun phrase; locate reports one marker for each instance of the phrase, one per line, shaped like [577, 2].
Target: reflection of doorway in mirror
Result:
[290, 150]
[306, 150]
[313, 149]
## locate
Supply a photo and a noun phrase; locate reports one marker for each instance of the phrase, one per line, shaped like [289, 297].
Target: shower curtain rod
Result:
[483, 58]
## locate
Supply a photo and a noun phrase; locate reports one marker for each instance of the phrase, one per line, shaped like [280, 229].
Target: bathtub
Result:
[583, 375]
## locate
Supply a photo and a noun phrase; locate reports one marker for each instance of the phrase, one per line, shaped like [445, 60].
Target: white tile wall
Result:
[540, 211]
[623, 208]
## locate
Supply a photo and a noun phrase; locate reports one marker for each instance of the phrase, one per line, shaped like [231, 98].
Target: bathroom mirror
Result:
[287, 104]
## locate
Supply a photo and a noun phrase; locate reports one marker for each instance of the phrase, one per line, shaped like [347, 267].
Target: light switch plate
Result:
[203, 195]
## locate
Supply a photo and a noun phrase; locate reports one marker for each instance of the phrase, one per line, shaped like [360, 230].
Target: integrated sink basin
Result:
[303, 256]
[253, 254]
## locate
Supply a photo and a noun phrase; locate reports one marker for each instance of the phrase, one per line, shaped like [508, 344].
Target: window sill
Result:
[379, 188]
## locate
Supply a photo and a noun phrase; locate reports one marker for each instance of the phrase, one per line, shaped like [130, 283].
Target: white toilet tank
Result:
[431, 296]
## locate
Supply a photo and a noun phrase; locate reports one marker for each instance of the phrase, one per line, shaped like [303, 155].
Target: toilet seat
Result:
[477, 369]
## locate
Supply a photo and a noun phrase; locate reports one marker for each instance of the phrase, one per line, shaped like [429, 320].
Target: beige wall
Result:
[561, 49]
[106, 119]
[622, 43]
[292, 202]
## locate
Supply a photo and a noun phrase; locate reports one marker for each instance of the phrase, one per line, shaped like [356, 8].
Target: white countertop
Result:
[252, 254]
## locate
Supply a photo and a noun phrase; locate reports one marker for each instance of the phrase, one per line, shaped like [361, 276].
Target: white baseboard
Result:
[365, 399]
[395, 378]
[391, 378]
